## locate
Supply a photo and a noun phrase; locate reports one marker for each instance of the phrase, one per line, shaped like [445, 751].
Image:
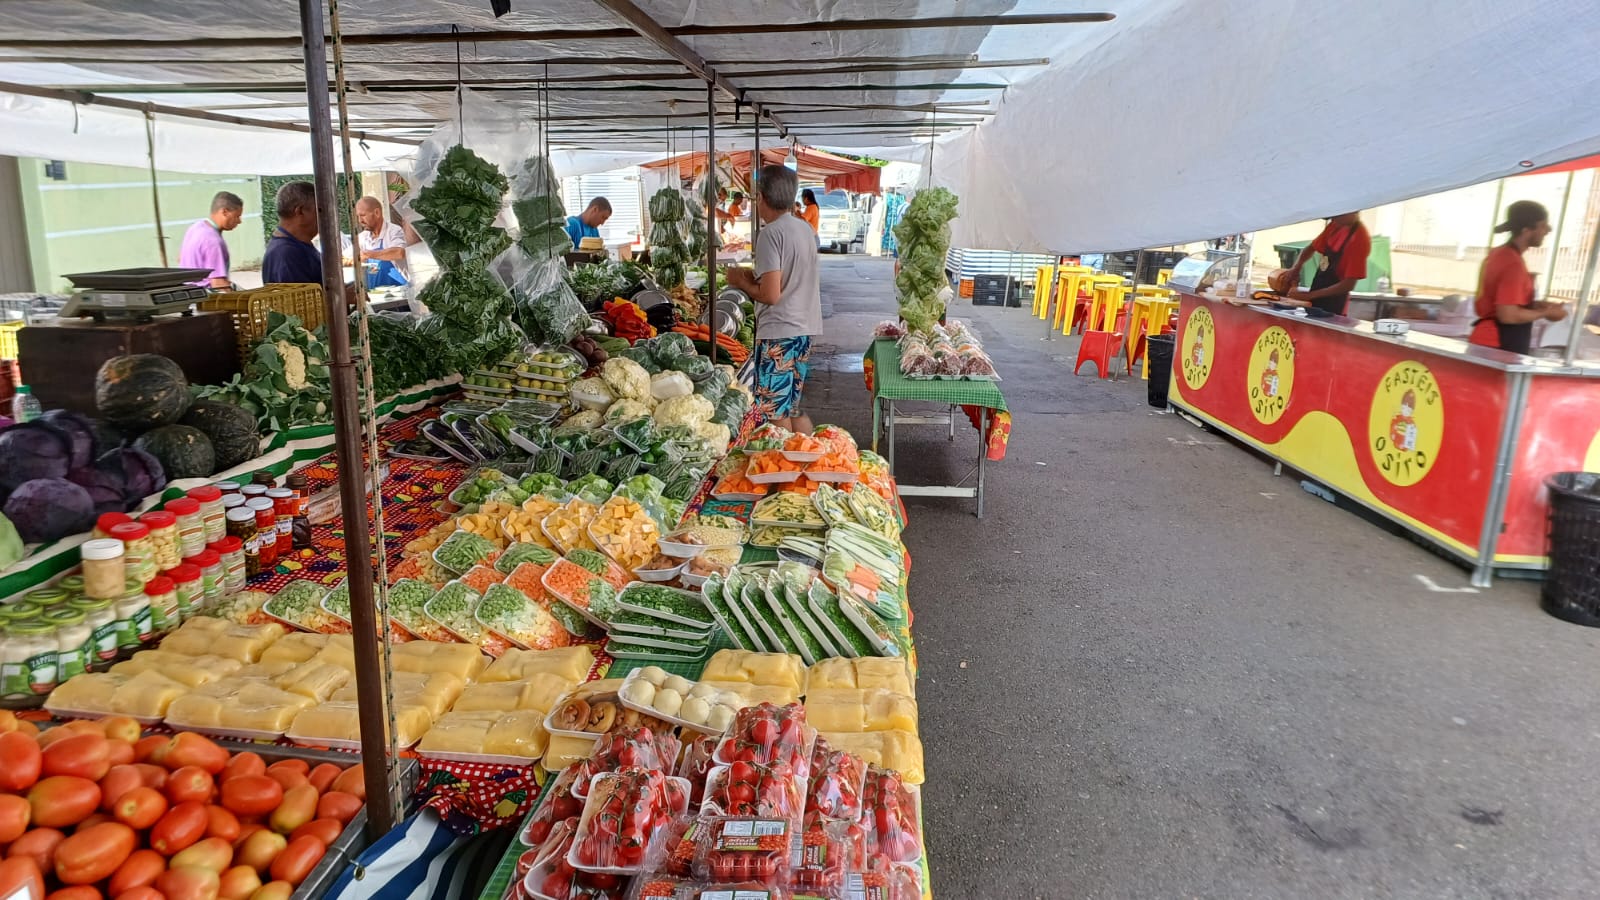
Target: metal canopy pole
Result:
[370, 709]
[155, 192]
[623, 8]
[1555, 239]
[754, 198]
[1582, 305]
[711, 217]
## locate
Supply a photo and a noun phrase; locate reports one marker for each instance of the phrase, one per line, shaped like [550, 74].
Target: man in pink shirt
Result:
[203, 246]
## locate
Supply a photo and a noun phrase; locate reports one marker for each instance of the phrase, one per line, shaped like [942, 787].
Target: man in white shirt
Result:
[382, 241]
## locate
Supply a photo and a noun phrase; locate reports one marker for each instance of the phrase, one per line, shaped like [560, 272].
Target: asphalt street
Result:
[1155, 670]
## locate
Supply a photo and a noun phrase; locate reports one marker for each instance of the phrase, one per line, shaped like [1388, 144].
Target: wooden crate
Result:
[59, 358]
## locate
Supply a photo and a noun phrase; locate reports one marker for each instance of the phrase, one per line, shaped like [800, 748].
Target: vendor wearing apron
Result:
[1344, 245]
[1505, 305]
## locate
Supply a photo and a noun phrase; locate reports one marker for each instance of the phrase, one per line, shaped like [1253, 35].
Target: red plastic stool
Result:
[1136, 345]
[1098, 347]
[1080, 314]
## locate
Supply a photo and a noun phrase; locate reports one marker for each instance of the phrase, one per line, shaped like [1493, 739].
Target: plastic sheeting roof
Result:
[404, 87]
[1172, 123]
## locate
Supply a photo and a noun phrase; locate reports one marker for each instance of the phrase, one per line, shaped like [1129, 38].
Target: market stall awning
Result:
[835, 172]
[1572, 165]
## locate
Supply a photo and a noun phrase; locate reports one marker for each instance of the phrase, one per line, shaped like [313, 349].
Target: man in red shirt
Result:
[1505, 305]
[1344, 244]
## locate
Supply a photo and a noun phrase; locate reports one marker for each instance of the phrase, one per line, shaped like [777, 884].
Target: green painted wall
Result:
[101, 217]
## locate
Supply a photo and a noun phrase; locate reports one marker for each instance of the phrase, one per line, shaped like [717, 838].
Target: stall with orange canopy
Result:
[835, 172]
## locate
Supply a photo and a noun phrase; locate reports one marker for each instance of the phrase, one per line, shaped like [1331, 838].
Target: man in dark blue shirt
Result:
[290, 257]
[587, 223]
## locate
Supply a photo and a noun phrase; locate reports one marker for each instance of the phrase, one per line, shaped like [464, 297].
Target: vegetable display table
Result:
[889, 386]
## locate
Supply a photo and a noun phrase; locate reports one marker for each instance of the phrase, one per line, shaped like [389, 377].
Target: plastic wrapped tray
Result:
[774, 477]
[629, 623]
[817, 597]
[801, 615]
[753, 602]
[730, 699]
[429, 610]
[834, 477]
[64, 712]
[810, 648]
[871, 626]
[722, 613]
[619, 649]
[692, 611]
[659, 575]
[577, 693]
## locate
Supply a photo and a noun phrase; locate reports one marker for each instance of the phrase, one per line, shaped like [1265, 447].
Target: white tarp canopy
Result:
[1186, 122]
[1174, 122]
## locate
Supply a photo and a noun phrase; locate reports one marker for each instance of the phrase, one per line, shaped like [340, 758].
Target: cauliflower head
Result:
[690, 410]
[627, 379]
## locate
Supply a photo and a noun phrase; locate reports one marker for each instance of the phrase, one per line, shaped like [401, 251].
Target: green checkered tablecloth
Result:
[889, 384]
[882, 360]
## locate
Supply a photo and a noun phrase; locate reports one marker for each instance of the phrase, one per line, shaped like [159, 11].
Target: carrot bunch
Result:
[736, 351]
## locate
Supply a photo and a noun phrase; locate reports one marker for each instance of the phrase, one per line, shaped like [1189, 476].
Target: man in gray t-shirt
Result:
[786, 290]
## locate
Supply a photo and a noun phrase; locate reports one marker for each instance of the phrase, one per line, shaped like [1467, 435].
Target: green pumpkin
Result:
[231, 428]
[141, 391]
[183, 452]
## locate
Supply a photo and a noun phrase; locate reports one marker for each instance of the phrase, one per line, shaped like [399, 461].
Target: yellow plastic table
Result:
[1149, 312]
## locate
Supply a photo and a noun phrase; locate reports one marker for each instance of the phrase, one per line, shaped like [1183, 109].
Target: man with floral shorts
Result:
[788, 297]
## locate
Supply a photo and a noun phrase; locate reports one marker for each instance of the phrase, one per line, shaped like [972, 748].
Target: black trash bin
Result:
[1572, 584]
[1159, 349]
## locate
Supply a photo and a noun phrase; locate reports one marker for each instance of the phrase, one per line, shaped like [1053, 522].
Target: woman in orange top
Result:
[812, 212]
[1505, 305]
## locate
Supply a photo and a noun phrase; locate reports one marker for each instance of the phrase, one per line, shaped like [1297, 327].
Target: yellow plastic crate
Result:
[249, 310]
[8, 338]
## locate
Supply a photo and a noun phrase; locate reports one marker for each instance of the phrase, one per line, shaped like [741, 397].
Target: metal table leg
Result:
[952, 414]
[983, 451]
[889, 419]
[877, 421]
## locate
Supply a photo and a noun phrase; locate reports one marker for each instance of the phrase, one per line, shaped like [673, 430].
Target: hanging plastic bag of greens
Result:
[546, 308]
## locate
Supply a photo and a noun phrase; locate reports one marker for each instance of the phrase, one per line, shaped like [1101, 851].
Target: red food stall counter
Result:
[1448, 440]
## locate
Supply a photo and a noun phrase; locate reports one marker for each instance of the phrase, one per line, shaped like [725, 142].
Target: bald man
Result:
[380, 239]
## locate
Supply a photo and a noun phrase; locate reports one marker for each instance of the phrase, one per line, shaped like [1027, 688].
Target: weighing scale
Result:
[139, 294]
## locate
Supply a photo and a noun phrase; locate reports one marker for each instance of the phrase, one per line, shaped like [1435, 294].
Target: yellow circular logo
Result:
[1199, 348]
[1406, 425]
[1591, 460]
[1270, 375]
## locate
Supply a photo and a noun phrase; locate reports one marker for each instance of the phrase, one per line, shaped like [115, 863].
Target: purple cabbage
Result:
[141, 473]
[80, 433]
[33, 450]
[105, 484]
[48, 509]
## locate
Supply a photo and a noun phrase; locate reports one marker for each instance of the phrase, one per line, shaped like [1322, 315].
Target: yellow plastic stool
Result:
[1067, 287]
[1163, 276]
[1043, 287]
[1109, 295]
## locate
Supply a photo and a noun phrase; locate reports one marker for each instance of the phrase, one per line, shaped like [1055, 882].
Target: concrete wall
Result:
[101, 217]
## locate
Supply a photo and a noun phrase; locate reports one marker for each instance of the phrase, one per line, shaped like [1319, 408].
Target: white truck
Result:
[843, 220]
